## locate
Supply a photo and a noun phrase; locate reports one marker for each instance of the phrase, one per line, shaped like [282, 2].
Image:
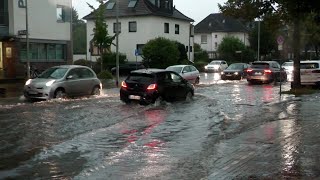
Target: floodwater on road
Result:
[230, 130]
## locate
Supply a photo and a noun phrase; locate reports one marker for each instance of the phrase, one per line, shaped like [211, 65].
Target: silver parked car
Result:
[216, 66]
[188, 72]
[63, 81]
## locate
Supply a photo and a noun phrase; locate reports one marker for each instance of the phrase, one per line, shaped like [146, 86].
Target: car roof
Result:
[312, 61]
[149, 71]
[265, 62]
[179, 65]
[70, 66]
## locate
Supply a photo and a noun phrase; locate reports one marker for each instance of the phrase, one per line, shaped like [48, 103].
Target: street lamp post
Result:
[258, 58]
[117, 42]
[27, 40]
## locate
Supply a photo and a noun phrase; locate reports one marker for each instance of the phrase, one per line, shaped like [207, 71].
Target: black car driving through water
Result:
[154, 85]
[235, 71]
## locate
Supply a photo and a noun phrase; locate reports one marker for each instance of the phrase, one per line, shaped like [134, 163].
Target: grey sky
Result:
[195, 9]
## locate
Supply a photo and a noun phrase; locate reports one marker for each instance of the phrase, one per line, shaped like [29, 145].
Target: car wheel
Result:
[96, 91]
[60, 94]
[197, 80]
[189, 96]
[158, 101]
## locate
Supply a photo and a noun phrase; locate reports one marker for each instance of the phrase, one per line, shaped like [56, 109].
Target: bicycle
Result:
[34, 72]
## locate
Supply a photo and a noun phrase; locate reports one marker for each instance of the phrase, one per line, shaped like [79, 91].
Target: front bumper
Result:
[37, 93]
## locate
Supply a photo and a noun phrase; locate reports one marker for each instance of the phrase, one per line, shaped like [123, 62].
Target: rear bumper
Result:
[259, 78]
[146, 97]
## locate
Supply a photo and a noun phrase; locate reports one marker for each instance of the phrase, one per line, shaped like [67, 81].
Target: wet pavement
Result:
[231, 130]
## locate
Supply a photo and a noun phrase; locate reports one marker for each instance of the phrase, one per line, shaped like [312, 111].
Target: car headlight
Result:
[50, 83]
[206, 67]
[236, 73]
[28, 82]
[222, 73]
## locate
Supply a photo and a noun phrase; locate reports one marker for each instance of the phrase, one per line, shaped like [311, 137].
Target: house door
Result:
[1, 62]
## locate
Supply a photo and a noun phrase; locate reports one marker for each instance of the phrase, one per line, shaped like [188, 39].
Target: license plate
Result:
[258, 73]
[228, 75]
[32, 92]
[134, 97]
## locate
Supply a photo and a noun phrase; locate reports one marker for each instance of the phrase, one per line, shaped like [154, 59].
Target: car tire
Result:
[60, 94]
[96, 91]
[126, 101]
[158, 101]
[197, 81]
[189, 96]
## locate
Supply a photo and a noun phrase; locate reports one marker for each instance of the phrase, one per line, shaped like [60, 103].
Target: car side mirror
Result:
[69, 77]
[184, 72]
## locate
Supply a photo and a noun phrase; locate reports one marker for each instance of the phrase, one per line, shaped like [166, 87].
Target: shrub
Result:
[105, 75]
[82, 62]
[200, 65]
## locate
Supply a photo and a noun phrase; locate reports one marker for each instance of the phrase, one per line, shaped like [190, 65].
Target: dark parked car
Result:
[125, 69]
[265, 72]
[154, 85]
[235, 71]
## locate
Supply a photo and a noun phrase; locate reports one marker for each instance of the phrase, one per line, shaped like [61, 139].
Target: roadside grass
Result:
[302, 91]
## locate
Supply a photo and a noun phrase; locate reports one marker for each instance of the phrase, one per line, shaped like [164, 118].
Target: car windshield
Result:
[54, 73]
[215, 63]
[235, 67]
[260, 65]
[141, 78]
[175, 69]
[287, 64]
[309, 65]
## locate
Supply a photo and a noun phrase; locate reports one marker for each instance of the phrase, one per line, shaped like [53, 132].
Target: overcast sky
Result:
[195, 9]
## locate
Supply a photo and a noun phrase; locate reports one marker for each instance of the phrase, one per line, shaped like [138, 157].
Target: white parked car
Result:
[216, 66]
[310, 72]
[188, 72]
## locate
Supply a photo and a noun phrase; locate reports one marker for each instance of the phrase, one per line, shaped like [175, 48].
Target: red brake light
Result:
[267, 71]
[152, 87]
[124, 84]
[249, 70]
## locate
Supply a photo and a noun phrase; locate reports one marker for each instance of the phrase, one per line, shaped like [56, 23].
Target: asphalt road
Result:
[231, 130]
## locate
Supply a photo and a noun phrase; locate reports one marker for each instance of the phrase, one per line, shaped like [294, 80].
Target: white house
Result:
[211, 30]
[141, 21]
[49, 35]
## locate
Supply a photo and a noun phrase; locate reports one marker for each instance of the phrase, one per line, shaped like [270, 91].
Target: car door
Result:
[73, 82]
[186, 73]
[178, 86]
[86, 81]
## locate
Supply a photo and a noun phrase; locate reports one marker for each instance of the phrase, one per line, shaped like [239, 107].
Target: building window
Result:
[115, 27]
[43, 52]
[191, 49]
[133, 26]
[204, 39]
[177, 29]
[63, 13]
[132, 3]
[215, 44]
[110, 5]
[166, 27]
[4, 12]
[216, 36]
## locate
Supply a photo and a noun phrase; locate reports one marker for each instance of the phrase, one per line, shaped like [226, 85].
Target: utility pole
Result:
[71, 31]
[258, 58]
[117, 42]
[27, 40]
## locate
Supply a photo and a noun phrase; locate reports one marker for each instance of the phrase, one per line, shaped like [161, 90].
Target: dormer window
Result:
[132, 3]
[110, 5]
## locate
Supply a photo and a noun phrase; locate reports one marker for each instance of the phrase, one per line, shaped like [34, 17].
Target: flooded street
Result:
[230, 130]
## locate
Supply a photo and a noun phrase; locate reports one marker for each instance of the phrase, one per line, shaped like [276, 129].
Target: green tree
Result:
[311, 33]
[200, 55]
[160, 53]
[79, 34]
[229, 47]
[101, 38]
[182, 51]
[288, 11]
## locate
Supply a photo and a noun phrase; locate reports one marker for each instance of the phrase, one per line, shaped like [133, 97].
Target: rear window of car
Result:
[260, 65]
[309, 65]
[287, 64]
[215, 62]
[141, 78]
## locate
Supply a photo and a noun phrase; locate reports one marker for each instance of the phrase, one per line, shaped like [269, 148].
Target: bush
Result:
[82, 62]
[200, 65]
[109, 60]
[105, 75]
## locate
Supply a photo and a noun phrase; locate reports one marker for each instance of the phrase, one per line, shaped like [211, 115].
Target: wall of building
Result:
[147, 28]
[42, 17]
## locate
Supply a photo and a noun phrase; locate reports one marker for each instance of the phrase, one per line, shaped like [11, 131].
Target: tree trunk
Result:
[101, 63]
[296, 50]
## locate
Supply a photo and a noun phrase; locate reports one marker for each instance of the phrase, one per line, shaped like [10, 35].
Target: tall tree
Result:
[79, 34]
[289, 11]
[101, 38]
